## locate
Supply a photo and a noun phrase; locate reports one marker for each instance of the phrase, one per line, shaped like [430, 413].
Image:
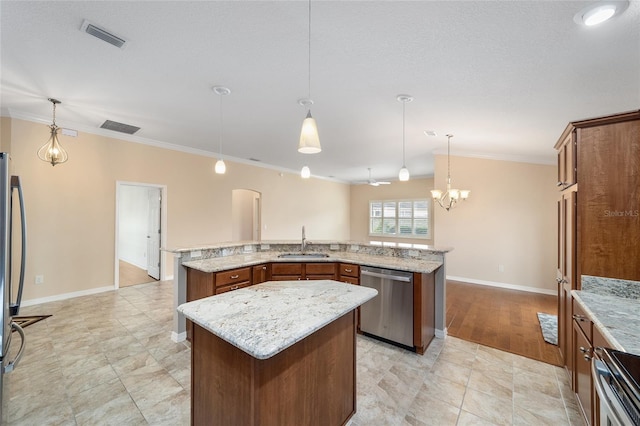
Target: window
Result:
[401, 218]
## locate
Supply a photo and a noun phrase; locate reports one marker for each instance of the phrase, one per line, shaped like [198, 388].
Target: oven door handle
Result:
[602, 394]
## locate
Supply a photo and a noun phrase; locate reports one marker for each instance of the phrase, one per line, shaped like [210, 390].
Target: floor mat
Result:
[549, 326]
[28, 320]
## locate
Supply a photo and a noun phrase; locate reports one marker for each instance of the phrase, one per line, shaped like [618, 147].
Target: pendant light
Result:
[447, 199]
[52, 152]
[220, 167]
[305, 173]
[309, 138]
[403, 175]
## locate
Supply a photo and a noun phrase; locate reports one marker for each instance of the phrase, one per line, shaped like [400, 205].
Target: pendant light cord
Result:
[404, 104]
[309, 51]
[220, 133]
[449, 158]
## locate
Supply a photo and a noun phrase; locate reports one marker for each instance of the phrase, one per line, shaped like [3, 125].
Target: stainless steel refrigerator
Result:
[10, 305]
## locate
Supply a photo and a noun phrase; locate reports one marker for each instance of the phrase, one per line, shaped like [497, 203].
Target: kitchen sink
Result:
[303, 255]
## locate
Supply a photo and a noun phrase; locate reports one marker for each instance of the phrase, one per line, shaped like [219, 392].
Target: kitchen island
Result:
[275, 353]
[428, 264]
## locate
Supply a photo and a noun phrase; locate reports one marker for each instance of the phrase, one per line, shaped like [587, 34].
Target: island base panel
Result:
[312, 382]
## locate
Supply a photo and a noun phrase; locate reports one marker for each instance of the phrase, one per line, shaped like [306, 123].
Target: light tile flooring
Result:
[108, 359]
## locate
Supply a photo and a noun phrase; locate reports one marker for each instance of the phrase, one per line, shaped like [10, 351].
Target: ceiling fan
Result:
[374, 182]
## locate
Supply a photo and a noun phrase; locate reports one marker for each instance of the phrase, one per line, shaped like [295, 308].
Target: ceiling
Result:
[505, 77]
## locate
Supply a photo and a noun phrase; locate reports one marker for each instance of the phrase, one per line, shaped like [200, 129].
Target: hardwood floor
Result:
[501, 318]
[132, 275]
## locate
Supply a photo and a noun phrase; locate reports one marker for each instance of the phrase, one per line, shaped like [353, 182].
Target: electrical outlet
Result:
[500, 268]
[195, 253]
[247, 248]
[39, 279]
[334, 247]
[414, 253]
[264, 246]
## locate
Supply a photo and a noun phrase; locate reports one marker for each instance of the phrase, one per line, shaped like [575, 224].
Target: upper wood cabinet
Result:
[609, 200]
[567, 167]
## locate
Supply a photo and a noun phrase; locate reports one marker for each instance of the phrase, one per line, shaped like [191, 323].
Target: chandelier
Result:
[52, 152]
[448, 199]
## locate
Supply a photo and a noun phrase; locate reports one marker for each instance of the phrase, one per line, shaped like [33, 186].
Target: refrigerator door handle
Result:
[15, 184]
[13, 364]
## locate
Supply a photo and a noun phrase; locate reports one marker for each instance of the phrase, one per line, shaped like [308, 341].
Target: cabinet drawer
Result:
[349, 270]
[320, 269]
[233, 276]
[286, 269]
[232, 287]
[582, 319]
[350, 280]
[285, 278]
[319, 277]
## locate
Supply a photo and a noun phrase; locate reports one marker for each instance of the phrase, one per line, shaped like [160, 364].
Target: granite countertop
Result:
[265, 319]
[617, 317]
[217, 264]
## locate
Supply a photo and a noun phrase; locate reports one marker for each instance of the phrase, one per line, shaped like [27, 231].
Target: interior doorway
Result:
[139, 233]
[245, 213]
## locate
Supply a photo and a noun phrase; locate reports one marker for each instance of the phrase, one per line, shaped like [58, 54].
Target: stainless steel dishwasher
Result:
[389, 315]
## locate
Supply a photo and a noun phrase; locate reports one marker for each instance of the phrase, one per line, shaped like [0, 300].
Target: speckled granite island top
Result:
[617, 317]
[265, 319]
[217, 264]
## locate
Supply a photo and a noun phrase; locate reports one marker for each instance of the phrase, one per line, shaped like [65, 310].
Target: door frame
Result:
[163, 226]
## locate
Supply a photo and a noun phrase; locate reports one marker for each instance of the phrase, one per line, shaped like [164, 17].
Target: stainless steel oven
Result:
[616, 375]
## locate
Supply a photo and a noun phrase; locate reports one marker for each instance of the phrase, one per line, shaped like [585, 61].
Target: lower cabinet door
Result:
[582, 353]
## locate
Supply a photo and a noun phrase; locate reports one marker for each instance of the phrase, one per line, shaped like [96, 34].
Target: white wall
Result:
[242, 207]
[133, 214]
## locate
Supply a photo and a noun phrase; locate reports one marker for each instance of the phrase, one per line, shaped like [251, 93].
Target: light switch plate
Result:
[195, 253]
[264, 246]
[414, 253]
[354, 247]
[247, 249]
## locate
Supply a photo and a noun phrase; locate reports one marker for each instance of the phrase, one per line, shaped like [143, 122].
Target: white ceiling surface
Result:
[504, 77]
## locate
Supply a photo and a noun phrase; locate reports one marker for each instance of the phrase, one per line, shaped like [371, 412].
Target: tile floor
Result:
[108, 359]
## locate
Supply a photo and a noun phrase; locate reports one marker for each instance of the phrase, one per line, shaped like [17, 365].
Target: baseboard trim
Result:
[66, 296]
[178, 337]
[504, 285]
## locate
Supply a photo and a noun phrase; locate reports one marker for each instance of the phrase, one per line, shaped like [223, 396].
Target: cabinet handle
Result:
[348, 270]
[558, 280]
[233, 277]
[559, 183]
[584, 350]
[234, 287]
[587, 357]
[264, 268]
[580, 318]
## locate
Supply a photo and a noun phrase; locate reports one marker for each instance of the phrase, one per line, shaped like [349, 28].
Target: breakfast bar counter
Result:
[275, 353]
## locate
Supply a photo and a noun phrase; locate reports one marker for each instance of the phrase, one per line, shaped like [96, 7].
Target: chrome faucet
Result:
[304, 241]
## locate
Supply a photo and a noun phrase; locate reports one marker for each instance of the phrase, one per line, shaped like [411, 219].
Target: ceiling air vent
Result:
[102, 34]
[119, 127]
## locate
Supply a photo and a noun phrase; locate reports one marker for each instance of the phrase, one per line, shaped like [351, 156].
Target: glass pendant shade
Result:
[309, 139]
[305, 173]
[52, 152]
[403, 176]
[220, 168]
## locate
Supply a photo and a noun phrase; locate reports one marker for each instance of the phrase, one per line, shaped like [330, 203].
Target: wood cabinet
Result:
[286, 271]
[199, 285]
[303, 271]
[349, 273]
[567, 169]
[424, 310]
[232, 279]
[566, 272]
[260, 274]
[586, 337]
[598, 215]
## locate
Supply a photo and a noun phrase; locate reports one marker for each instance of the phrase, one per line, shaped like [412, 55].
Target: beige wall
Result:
[509, 220]
[5, 134]
[362, 194]
[71, 207]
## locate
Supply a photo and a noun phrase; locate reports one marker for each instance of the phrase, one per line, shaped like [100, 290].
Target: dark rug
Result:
[549, 326]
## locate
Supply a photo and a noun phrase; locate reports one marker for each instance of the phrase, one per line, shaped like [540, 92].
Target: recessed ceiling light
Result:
[599, 12]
